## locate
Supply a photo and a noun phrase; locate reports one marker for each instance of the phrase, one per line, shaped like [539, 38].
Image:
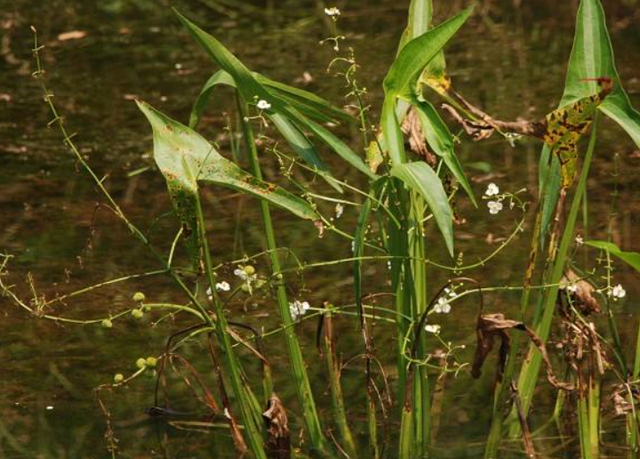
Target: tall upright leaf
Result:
[592, 57]
[402, 78]
[253, 90]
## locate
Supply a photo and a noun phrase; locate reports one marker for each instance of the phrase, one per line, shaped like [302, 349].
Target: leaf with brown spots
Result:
[567, 125]
[185, 158]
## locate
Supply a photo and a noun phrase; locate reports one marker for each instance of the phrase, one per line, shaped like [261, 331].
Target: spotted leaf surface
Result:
[565, 127]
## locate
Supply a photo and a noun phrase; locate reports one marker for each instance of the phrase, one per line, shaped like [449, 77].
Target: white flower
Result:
[339, 210]
[223, 286]
[617, 292]
[435, 329]
[332, 12]
[298, 309]
[579, 240]
[442, 306]
[494, 207]
[263, 105]
[492, 190]
[389, 264]
[573, 288]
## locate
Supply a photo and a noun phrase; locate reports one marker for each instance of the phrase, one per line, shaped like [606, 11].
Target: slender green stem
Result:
[531, 368]
[232, 363]
[303, 387]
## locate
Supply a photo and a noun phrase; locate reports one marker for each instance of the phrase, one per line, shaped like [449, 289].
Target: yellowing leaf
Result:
[565, 127]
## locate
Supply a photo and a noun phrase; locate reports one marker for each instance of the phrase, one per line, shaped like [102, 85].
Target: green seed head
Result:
[141, 363]
[118, 378]
[245, 288]
[106, 323]
[249, 270]
[151, 362]
[137, 313]
[138, 297]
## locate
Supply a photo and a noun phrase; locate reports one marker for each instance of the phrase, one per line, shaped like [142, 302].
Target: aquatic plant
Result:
[411, 177]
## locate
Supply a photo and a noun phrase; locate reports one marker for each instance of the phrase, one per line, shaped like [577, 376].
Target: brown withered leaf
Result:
[278, 446]
[583, 294]
[412, 127]
[490, 327]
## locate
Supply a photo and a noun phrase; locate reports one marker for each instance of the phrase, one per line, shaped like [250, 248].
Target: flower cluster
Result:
[443, 306]
[494, 206]
[298, 309]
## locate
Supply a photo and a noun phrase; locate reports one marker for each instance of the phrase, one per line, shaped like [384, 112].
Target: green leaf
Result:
[417, 54]
[441, 142]
[421, 178]
[294, 137]
[185, 158]
[304, 101]
[592, 57]
[252, 90]
[358, 252]
[631, 258]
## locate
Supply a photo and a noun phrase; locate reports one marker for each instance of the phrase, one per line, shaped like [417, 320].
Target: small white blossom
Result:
[492, 190]
[435, 329]
[389, 264]
[339, 210]
[263, 105]
[223, 286]
[494, 207]
[332, 12]
[442, 306]
[298, 309]
[579, 240]
[49, 408]
[573, 288]
[617, 292]
[242, 274]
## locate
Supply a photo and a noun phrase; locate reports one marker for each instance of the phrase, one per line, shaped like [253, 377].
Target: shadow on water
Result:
[510, 60]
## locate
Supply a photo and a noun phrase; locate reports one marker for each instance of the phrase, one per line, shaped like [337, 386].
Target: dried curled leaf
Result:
[412, 127]
[278, 446]
[492, 326]
[581, 293]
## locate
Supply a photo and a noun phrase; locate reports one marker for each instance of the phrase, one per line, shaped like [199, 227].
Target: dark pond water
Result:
[510, 59]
